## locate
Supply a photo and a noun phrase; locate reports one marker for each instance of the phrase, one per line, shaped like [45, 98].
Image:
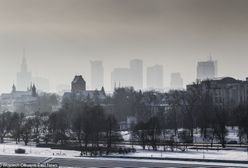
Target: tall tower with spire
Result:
[24, 66]
[24, 78]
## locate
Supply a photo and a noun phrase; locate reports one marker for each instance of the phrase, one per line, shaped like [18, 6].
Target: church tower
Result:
[13, 88]
[78, 84]
[34, 92]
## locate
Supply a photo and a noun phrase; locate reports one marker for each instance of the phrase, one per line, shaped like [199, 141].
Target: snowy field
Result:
[9, 149]
[232, 135]
[241, 155]
[234, 154]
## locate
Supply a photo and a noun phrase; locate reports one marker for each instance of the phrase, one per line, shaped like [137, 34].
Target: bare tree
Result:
[5, 125]
[241, 120]
[221, 123]
[17, 121]
[140, 133]
[26, 130]
[153, 132]
[110, 126]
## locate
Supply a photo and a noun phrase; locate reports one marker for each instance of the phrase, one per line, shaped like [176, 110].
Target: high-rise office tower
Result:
[155, 77]
[120, 77]
[24, 78]
[136, 72]
[206, 70]
[97, 75]
[176, 81]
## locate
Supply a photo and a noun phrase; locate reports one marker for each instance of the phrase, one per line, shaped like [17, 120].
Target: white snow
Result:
[241, 155]
[172, 161]
[125, 135]
[9, 149]
[236, 154]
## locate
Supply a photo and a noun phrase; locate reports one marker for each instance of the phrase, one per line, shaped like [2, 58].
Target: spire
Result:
[13, 88]
[30, 87]
[34, 93]
[103, 90]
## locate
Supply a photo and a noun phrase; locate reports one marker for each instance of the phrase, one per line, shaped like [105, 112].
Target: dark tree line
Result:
[86, 124]
[91, 127]
[191, 109]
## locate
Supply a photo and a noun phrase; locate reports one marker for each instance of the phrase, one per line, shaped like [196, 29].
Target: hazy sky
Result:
[62, 36]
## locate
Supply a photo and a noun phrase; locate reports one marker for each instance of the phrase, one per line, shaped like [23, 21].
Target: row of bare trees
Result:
[81, 123]
[194, 109]
[191, 109]
[16, 126]
[85, 123]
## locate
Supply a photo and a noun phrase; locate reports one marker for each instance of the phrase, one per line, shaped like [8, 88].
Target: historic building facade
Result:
[79, 92]
[19, 101]
[226, 92]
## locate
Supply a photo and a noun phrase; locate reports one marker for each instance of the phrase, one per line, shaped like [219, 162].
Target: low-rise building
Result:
[79, 92]
[225, 92]
[19, 101]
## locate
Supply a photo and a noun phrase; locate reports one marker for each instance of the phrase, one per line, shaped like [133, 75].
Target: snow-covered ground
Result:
[232, 135]
[9, 149]
[234, 154]
[125, 135]
[238, 154]
[241, 155]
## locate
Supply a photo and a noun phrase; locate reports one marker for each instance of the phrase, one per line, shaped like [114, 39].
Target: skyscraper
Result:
[155, 77]
[136, 72]
[206, 70]
[24, 78]
[97, 73]
[120, 77]
[176, 81]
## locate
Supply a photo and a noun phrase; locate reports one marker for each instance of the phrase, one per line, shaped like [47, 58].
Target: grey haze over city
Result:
[61, 37]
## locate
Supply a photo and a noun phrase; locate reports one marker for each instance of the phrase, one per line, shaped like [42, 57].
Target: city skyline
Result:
[65, 36]
[176, 80]
[97, 83]
[131, 78]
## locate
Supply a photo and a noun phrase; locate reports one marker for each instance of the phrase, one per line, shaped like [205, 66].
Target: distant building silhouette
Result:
[120, 77]
[78, 84]
[20, 101]
[79, 92]
[42, 83]
[128, 77]
[176, 81]
[155, 77]
[97, 75]
[206, 70]
[24, 78]
[136, 72]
